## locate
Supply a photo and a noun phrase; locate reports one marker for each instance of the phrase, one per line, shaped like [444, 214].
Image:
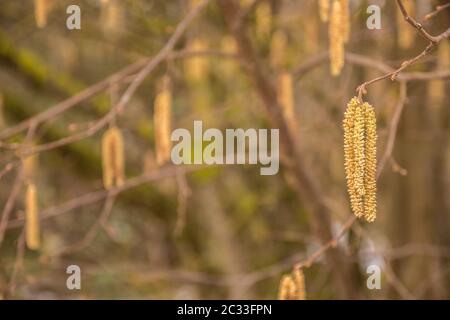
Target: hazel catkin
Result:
[292, 286]
[360, 137]
[336, 39]
[113, 161]
[162, 121]
[32, 230]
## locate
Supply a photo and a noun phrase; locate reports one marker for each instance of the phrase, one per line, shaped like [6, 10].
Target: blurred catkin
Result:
[32, 232]
[287, 288]
[285, 93]
[336, 39]
[299, 280]
[324, 9]
[196, 68]
[360, 137]
[162, 121]
[41, 9]
[292, 286]
[113, 161]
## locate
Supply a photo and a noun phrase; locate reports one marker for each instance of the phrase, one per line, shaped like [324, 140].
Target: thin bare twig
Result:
[436, 11]
[433, 41]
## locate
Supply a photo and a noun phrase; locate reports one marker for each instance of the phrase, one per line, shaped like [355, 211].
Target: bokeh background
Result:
[238, 231]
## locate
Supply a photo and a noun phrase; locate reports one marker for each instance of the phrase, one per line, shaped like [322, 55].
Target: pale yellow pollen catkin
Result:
[286, 290]
[336, 39]
[113, 158]
[285, 93]
[324, 9]
[299, 280]
[41, 9]
[278, 46]
[360, 138]
[162, 121]
[196, 67]
[32, 230]
[370, 204]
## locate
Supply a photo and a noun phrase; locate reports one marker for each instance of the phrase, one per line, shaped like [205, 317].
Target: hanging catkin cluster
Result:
[360, 137]
[162, 121]
[292, 286]
[113, 161]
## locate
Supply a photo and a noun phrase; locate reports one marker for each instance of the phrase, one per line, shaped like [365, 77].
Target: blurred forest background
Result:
[220, 232]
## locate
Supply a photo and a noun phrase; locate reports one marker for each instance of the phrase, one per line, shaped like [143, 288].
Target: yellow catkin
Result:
[360, 138]
[370, 204]
[349, 156]
[41, 8]
[113, 161]
[358, 149]
[263, 20]
[406, 34]
[278, 45]
[286, 100]
[345, 25]
[336, 39]
[196, 68]
[162, 121]
[286, 290]
[32, 232]
[324, 9]
[299, 280]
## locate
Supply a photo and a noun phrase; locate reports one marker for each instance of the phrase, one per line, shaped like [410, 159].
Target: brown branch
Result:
[433, 41]
[146, 66]
[92, 232]
[96, 196]
[7, 209]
